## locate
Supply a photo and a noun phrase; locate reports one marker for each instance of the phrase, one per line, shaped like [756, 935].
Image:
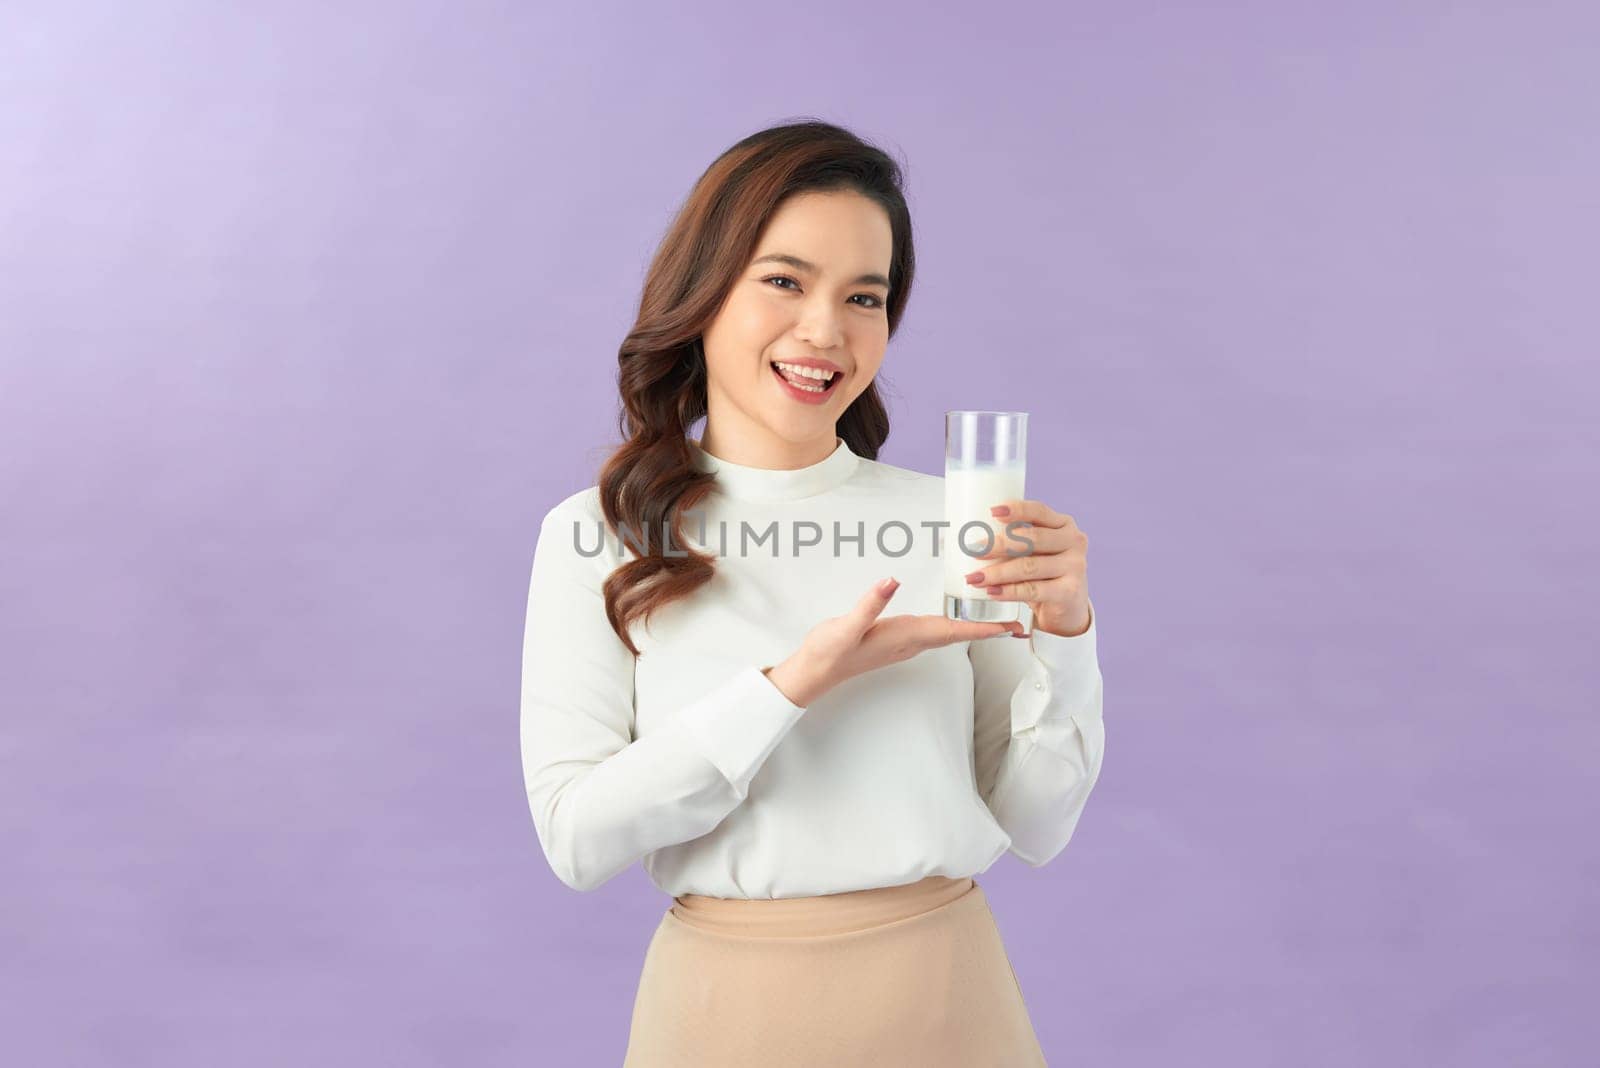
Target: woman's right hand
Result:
[858, 641]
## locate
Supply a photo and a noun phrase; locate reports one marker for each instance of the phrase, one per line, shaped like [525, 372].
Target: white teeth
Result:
[797, 377]
[804, 372]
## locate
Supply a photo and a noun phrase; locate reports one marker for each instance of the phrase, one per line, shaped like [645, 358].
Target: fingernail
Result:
[993, 589]
[974, 578]
[1000, 509]
[886, 585]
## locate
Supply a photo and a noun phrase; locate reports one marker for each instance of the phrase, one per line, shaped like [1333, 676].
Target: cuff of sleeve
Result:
[738, 725]
[1062, 673]
[1063, 657]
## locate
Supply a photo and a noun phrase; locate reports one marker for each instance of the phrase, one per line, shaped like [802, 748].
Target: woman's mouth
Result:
[807, 384]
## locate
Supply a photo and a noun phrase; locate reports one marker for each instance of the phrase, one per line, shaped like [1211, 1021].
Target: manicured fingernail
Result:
[995, 589]
[1000, 509]
[886, 585]
[974, 578]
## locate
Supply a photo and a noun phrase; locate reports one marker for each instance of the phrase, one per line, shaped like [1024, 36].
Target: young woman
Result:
[816, 796]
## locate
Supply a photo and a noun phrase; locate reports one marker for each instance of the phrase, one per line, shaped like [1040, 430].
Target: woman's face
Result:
[814, 293]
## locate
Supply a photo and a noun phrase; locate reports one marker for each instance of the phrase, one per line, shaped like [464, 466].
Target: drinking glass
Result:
[985, 459]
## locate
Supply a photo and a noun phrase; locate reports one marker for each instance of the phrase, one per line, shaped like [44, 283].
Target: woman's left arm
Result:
[1039, 735]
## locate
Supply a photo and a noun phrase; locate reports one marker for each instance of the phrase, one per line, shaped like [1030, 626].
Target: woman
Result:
[815, 796]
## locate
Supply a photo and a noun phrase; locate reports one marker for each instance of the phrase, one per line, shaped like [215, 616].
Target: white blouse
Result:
[690, 759]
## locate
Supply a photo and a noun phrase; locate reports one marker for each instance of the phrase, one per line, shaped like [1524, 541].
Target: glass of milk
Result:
[985, 457]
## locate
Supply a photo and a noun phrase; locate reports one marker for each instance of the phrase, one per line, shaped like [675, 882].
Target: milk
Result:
[969, 492]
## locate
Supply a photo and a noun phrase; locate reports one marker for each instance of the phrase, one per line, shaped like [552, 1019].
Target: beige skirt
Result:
[898, 975]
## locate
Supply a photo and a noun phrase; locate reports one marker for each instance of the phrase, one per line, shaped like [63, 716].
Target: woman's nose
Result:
[819, 326]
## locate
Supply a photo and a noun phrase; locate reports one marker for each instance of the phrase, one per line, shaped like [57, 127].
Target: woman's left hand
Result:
[1051, 578]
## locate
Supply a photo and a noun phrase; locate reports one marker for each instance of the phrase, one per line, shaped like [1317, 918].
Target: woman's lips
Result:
[805, 396]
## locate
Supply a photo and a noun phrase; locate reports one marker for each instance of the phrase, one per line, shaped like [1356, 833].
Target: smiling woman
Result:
[793, 248]
[788, 352]
[819, 840]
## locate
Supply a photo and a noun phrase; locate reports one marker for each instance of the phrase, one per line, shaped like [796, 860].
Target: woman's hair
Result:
[651, 479]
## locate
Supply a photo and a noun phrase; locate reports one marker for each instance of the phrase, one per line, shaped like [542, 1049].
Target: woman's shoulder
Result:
[574, 531]
[577, 517]
[584, 504]
[881, 477]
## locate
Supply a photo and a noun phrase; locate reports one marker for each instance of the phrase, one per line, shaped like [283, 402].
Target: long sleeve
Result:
[1039, 736]
[600, 797]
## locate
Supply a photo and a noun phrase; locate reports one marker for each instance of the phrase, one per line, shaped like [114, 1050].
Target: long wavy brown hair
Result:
[650, 480]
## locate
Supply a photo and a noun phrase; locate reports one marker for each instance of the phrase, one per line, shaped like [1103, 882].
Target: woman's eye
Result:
[873, 302]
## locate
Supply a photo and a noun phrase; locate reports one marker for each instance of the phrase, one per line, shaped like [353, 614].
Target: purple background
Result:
[308, 314]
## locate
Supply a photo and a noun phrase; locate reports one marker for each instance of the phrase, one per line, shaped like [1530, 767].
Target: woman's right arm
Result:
[600, 798]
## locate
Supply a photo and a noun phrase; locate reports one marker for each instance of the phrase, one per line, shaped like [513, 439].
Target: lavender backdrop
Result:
[308, 311]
